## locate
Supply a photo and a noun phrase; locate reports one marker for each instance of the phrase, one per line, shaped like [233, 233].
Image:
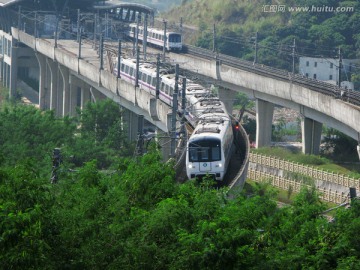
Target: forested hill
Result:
[319, 31]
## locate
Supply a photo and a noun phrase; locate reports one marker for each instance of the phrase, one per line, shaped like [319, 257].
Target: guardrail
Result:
[286, 184]
[274, 162]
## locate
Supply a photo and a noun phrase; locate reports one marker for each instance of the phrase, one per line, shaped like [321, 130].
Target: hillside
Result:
[319, 31]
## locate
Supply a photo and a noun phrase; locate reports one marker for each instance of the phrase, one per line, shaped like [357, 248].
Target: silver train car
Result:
[156, 37]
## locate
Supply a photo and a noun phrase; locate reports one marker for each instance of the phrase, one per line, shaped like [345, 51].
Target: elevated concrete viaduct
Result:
[316, 108]
[67, 81]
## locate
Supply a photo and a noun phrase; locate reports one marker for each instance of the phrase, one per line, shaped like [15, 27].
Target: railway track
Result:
[346, 95]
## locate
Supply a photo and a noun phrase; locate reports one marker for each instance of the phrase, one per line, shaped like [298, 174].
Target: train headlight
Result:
[218, 165]
[191, 166]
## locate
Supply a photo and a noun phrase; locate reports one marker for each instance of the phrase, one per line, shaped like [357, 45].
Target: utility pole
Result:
[157, 76]
[181, 25]
[176, 90]
[78, 25]
[214, 38]
[101, 52]
[174, 112]
[145, 36]
[137, 35]
[56, 161]
[183, 105]
[119, 59]
[164, 47]
[19, 18]
[140, 142]
[56, 30]
[35, 25]
[340, 67]
[137, 67]
[293, 57]
[79, 40]
[95, 32]
[256, 48]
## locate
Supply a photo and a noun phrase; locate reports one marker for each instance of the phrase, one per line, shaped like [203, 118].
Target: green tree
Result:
[26, 132]
[25, 201]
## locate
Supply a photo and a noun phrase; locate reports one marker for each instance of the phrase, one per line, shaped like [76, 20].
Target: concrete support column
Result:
[311, 136]
[7, 79]
[264, 117]
[96, 95]
[13, 71]
[66, 90]
[1, 69]
[42, 78]
[85, 95]
[4, 72]
[53, 67]
[73, 95]
[227, 97]
[131, 120]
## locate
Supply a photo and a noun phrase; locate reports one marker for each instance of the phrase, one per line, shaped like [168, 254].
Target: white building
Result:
[327, 69]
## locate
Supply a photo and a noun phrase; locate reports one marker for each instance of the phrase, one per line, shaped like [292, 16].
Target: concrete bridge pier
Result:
[13, 70]
[54, 70]
[227, 96]
[5, 76]
[96, 95]
[311, 136]
[42, 80]
[85, 95]
[264, 117]
[75, 89]
[132, 121]
[65, 76]
[1, 68]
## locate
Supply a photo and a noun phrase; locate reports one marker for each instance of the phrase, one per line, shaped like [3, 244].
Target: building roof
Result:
[6, 3]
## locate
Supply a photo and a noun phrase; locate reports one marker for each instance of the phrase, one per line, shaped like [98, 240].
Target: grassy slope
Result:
[239, 16]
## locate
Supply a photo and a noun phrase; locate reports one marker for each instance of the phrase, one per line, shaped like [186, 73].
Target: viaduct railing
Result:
[327, 193]
[286, 184]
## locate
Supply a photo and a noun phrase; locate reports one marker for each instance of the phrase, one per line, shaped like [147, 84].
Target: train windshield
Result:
[205, 150]
[175, 38]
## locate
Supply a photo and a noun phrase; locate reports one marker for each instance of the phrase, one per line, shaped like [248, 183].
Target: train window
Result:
[162, 87]
[171, 91]
[122, 67]
[174, 38]
[140, 75]
[144, 77]
[127, 69]
[167, 89]
[149, 79]
[193, 154]
[215, 152]
[131, 71]
[157, 36]
[205, 150]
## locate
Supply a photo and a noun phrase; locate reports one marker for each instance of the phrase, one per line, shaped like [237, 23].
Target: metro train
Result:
[210, 146]
[156, 37]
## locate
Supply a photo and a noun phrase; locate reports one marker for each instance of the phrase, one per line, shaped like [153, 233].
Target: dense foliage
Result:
[29, 134]
[139, 218]
[136, 216]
